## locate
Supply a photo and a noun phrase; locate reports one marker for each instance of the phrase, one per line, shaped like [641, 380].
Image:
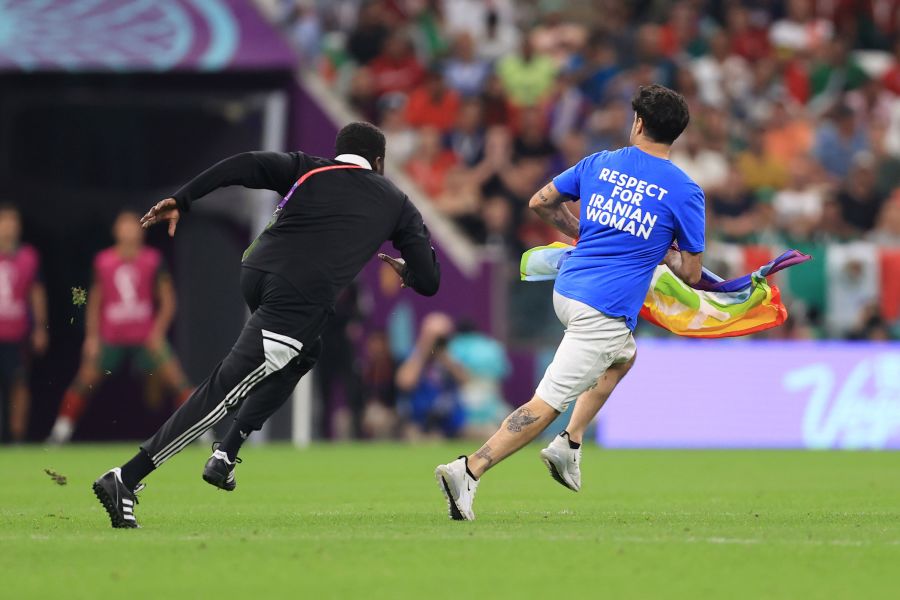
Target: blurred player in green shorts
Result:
[130, 307]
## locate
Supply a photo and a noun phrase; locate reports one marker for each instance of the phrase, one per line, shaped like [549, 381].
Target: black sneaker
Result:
[219, 471]
[117, 499]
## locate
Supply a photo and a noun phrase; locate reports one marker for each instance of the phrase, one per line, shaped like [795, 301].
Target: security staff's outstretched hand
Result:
[164, 210]
[398, 264]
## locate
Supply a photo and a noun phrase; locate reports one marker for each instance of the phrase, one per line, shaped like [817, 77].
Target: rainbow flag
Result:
[712, 308]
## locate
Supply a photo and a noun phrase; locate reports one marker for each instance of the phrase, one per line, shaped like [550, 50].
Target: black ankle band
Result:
[572, 445]
[468, 472]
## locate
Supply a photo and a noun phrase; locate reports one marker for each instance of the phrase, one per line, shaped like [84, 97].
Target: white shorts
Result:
[592, 343]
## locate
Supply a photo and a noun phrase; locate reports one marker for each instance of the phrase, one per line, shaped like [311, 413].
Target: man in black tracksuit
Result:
[335, 215]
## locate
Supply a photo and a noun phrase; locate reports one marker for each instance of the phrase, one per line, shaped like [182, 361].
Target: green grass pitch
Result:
[359, 521]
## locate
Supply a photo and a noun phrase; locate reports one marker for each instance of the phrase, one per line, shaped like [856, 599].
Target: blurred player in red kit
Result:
[23, 323]
[130, 307]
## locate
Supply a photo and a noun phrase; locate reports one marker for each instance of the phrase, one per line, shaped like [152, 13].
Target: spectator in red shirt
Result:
[431, 162]
[747, 40]
[396, 68]
[433, 104]
[795, 76]
[891, 78]
[497, 109]
[681, 32]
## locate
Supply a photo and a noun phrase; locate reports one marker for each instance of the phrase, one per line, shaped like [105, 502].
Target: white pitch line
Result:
[712, 540]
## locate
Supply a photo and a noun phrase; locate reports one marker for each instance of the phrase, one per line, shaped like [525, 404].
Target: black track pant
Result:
[259, 373]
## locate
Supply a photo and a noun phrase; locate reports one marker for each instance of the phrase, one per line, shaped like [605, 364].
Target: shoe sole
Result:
[555, 474]
[109, 504]
[216, 479]
[452, 509]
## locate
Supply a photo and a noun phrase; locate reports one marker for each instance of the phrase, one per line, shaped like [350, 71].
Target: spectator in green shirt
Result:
[526, 77]
[838, 73]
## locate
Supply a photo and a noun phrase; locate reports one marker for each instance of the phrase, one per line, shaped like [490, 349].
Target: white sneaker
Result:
[62, 432]
[458, 487]
[563, 462]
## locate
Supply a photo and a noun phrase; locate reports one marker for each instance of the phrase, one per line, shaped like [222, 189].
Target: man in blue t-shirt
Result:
[637, 210]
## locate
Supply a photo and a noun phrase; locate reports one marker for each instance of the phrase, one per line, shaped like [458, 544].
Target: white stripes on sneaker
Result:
[127, 504]
[221, 409]
[128, 509]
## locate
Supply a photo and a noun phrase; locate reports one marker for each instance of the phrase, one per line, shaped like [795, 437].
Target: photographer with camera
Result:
[429, 383]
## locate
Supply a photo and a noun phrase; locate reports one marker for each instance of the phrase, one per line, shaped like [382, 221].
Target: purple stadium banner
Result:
[745, 394]
[138, 35]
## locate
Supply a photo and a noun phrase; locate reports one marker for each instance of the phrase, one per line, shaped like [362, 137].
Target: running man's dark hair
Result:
[663, 111]
[361, 138]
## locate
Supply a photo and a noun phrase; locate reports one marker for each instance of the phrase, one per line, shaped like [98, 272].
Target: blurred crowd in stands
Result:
[795, 131]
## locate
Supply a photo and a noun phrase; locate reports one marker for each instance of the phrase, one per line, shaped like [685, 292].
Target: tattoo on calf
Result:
[520, 419]
[485, 453]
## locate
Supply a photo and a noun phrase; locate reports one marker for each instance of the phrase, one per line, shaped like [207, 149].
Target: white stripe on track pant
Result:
[253, 381]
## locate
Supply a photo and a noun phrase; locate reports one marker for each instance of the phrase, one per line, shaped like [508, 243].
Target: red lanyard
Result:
[306, 176]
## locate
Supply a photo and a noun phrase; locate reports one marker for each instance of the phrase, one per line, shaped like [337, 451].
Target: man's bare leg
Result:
[459, 479]
[20, 402]
[563, 455]
[520, 427]
[173, 377]
[590, 402]
[75, 401]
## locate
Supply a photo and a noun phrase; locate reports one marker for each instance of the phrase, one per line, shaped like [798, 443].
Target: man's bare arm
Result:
[687, 266]
[92, 323]
[39, 338]
[92, 312]
[166, 306]
[548, 204]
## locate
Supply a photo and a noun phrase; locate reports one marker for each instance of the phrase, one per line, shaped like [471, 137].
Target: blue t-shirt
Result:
[633, 205]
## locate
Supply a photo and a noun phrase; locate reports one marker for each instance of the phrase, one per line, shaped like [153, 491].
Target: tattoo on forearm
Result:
[485, 453]
[564, 223]
[542, 196]
[554, 213]
[520, 419]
